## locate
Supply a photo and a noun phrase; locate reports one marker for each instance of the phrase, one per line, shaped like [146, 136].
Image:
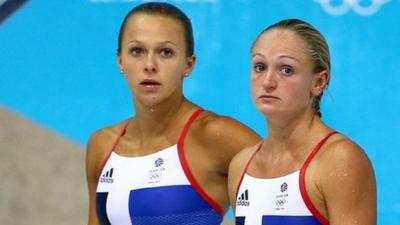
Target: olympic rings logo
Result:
[154, 176]
[280, 202]
[355, 5]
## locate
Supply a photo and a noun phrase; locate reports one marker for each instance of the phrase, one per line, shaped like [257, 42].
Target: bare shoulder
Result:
[225, 131]
[342, 152]
[347, 182]
[100, 143]
[342, 158]
[104, 136]
[240, 160]
[220, 138]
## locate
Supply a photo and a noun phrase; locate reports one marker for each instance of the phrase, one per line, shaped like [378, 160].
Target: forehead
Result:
[281, 41]
[156, 26]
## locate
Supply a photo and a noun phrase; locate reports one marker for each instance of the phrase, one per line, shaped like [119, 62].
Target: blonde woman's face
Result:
[281, 74]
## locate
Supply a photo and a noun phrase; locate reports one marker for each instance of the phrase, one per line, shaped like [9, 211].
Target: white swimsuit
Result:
[155, 189]
[277, 201]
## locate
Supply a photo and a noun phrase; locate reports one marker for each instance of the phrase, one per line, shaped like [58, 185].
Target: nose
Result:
[150, 64]
[269, 81]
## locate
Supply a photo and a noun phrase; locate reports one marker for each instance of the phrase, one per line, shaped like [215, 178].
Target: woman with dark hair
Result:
[167, 164]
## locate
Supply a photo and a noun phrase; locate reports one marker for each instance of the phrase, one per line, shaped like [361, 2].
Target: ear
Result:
[119, 62]
[320, 82]
[191, 61]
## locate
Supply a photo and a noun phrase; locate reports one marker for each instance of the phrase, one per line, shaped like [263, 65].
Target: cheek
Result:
[255, 80]
[254, 86]
[175, 82]
[130, 81]
[300, 93]
[172, 80]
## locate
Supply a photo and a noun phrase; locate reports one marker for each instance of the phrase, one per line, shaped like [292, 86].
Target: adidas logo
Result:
[243, 199]
[107, 177]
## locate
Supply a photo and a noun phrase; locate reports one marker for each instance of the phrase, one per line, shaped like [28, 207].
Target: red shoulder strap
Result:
[316, 149]
[122, 132]
[302, 181]
[187, 125]
[245, 169]
[186, 168]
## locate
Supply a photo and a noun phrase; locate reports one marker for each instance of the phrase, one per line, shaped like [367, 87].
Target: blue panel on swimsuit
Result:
[101, 200]
[239, 220]
[174, 205]
[290, 220]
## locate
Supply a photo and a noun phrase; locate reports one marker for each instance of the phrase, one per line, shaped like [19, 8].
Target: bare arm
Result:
[92, 176]
[97, 150]
[348, 186]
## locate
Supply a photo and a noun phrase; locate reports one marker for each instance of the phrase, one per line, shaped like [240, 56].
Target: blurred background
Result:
[59, 82]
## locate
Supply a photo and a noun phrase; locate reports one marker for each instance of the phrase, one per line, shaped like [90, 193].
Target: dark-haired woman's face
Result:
[153, 58]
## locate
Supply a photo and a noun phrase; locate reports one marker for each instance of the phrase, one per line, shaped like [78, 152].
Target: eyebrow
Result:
[257, 54]
[161, 43]
[280, 57]
[289, 57]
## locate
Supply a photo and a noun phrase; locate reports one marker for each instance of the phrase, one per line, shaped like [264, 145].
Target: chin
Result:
[148, 101]
[271, 112]
[151, 104]
[266, 109]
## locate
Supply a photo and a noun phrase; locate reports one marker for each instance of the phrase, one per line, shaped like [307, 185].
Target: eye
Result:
[287, 71]
[136, 51]
[166, 52]
[259, 67]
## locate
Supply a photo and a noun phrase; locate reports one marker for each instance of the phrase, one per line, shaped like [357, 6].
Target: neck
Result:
[157, 120]
[293, 133]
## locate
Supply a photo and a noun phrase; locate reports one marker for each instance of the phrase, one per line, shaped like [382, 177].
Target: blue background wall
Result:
[58, 67]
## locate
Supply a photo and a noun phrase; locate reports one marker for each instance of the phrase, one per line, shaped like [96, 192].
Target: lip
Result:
[149, 84]
[268, 97]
